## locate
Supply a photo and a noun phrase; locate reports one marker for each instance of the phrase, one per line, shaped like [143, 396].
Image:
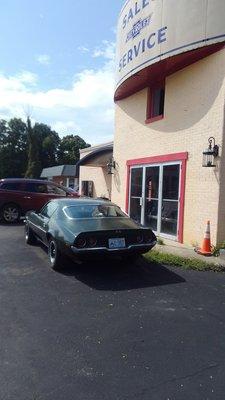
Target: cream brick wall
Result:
[194, 111]
[102, 181]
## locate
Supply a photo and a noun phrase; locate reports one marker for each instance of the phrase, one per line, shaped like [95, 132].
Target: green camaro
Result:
[82, 228]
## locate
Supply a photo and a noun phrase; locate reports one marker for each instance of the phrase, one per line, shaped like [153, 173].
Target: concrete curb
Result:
[187, 252]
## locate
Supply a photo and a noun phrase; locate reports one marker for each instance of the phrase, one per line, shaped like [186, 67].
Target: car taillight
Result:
[81, 242]
[148, 239]
[92, 241]
[140, 238]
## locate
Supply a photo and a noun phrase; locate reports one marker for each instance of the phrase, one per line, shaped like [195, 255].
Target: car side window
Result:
[52, 189]
[11, 186]
[36, 187]
[49, 209]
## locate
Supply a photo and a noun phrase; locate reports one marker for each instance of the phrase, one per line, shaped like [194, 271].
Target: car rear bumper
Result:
[132, 249]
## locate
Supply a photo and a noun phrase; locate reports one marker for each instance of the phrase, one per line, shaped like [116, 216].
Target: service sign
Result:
[152, 30]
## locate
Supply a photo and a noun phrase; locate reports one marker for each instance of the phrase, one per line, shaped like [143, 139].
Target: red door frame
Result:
[182, 157]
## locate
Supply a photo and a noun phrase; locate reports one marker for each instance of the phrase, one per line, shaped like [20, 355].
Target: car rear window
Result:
[93, 211]
[11, 186]
[49, 209]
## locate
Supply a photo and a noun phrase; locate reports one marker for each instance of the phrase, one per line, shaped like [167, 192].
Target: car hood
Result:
[101, 224]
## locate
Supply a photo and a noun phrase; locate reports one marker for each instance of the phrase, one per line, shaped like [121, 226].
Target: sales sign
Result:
[153, 30]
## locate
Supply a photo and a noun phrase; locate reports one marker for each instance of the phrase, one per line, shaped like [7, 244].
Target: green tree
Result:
[69, 146]
[26, 150]
[34, 166]
[13, 148]
[48, 142]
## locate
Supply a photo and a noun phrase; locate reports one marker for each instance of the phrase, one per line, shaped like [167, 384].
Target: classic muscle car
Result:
[81, 228]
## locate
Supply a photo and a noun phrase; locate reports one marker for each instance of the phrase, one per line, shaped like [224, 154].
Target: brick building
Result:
[94, 178]
[170, 99]
[66, 175]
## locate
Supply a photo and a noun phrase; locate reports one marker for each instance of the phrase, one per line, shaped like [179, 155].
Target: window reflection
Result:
[136, 182]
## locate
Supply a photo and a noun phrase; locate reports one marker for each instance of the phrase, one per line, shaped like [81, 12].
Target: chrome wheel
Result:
[26, 233]
[10, 213]
[30, 238]
[52, 252]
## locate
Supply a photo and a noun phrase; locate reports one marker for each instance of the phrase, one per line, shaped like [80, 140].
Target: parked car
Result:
[17, 196]
[83, 228]
[73, 191]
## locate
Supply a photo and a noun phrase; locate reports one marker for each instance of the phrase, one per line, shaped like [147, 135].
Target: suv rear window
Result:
[34, 187]
[11, 186]
[52, 189]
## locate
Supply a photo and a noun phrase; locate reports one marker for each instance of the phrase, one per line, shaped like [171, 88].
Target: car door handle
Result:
[27, 197]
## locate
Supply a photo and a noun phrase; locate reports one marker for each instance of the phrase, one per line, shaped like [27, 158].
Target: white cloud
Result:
[27, 77]
[106, 50]
[66, 127]
[86, 107]
[18, 83]
[43, 59]
[89, 88]
[83, 49]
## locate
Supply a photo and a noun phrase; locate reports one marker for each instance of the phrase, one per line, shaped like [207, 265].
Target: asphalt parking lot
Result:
[107, 331]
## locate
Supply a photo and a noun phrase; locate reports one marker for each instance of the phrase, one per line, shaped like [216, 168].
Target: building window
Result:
[87, 188]
[155, 103]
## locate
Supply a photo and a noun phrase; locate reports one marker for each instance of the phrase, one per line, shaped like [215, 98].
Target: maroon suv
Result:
[17, 196]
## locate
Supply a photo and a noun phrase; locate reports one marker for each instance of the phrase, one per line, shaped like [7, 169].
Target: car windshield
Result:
[94, 211]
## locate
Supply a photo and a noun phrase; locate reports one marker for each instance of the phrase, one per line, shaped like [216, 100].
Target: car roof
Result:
[26, 180]
[81, 201]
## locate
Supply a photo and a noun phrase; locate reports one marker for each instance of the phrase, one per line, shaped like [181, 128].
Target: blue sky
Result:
[57, 64]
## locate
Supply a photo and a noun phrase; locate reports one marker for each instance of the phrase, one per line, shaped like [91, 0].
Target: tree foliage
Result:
[26, 150]
[69, 147]
[48, 142]
[13, 148]
[34, 163]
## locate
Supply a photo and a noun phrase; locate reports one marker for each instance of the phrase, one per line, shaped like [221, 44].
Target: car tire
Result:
[30, 237]
[54, 254]
[10, 213]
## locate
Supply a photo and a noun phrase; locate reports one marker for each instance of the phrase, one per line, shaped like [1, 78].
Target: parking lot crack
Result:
[192, 375]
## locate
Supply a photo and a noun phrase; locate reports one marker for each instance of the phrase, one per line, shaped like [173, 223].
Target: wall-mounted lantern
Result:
[111, 165]
[210, 154]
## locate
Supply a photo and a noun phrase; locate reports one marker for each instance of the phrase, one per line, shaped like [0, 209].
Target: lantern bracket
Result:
[211, 153]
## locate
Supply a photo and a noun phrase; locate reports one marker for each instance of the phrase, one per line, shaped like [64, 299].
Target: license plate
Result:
[117, 243]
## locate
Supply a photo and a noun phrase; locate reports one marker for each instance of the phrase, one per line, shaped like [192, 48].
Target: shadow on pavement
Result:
[114, 275]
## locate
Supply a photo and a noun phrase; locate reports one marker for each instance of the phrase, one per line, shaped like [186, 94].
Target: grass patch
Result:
[160, 241]
[182, 262]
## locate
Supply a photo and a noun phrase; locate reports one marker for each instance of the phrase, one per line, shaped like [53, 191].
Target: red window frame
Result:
[150, 102]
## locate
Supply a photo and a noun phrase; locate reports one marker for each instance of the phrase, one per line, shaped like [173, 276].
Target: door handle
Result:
[141, 201]
[27, 197]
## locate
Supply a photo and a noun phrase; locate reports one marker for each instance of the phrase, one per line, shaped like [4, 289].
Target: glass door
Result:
[151, 197]
[154, 197]
[170, 199]
[136, 194]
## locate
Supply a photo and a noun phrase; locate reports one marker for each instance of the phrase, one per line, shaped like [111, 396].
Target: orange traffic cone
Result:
[206, 249]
